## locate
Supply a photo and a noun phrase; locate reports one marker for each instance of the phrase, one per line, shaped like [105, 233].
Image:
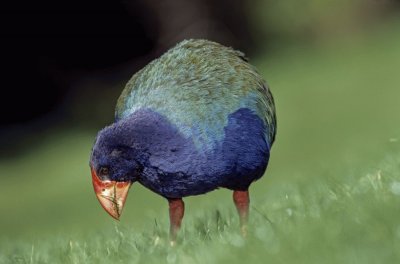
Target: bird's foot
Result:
[243, 230]
[172, 243]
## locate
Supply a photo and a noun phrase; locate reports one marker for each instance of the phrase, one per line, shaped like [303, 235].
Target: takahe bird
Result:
[198, 118]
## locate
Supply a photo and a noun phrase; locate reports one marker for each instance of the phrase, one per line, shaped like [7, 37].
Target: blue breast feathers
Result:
[176, 167]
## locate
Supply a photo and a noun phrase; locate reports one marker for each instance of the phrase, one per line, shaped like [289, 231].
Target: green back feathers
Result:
[196, 85]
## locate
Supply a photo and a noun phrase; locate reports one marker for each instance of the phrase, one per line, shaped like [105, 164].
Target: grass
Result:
[348, 218]
[330, 195]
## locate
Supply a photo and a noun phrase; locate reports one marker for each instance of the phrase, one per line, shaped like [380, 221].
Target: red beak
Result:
[111, 194]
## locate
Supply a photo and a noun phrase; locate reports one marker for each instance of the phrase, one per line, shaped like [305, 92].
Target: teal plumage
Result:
[196, 85]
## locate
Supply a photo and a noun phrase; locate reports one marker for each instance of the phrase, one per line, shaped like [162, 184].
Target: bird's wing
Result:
[196, 85]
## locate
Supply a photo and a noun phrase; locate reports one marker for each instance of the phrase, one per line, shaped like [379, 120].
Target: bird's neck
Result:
[147, 133]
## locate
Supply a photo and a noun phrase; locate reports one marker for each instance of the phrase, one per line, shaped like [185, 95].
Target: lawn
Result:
[331, 193]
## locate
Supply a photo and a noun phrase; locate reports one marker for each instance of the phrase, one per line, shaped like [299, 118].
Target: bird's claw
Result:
[172, 243]
[243, 230]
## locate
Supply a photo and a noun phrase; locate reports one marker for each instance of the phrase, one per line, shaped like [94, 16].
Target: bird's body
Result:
[216, 119]
[198, 118]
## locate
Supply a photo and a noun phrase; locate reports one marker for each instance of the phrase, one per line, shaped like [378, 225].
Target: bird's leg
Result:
[176, 211]
[242, 200]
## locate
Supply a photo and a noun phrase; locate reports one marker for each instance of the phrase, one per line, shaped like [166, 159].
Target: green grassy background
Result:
[331, 193]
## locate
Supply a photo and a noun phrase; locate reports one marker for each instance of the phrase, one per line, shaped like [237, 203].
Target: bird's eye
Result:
[103, 171]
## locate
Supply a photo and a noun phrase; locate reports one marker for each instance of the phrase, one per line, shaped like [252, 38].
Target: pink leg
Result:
[176, 212]
[242, 200]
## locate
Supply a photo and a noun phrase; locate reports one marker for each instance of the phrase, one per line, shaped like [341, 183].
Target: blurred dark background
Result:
[65, 62]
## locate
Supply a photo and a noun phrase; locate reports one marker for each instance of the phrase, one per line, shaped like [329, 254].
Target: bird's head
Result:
[114, 169]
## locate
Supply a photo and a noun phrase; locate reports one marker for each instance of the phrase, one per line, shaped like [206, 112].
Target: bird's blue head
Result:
[114, 168]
